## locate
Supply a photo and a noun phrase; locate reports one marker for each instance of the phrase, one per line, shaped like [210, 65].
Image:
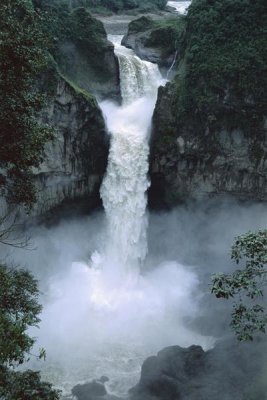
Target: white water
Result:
[124, 187]
[180, 6]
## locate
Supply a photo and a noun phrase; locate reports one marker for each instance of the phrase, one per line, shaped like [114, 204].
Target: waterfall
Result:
[173, 62]
[124, 187]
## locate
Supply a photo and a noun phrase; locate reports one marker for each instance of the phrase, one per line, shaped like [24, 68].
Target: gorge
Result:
[140, 200]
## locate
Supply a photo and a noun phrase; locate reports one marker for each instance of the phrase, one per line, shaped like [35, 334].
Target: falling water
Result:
[98, 319]
[180, 6]
[124, 187]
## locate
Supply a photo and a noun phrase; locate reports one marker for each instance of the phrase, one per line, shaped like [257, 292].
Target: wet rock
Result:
[89, 391]
[103, 379]
[227, 372]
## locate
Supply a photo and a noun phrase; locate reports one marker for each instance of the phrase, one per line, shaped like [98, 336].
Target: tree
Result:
[246, 285]
[23, 55]
[19, 310]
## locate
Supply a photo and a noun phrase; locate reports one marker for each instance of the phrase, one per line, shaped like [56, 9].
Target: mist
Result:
[94, 323]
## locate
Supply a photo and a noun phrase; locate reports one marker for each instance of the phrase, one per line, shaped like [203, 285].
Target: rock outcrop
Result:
[153, 40]
[75, 160]
[230, 371]
[195, 160]
[81, 49]
[94, 390]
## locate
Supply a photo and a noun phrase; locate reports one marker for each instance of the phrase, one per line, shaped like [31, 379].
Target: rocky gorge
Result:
[212, 149]
[209, 134]
[119, 282]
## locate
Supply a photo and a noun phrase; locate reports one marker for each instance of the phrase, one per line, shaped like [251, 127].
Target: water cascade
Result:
[179, 6]
[108, 316]
[124, 187]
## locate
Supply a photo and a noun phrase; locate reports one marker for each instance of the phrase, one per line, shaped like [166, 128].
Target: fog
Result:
[94, 324]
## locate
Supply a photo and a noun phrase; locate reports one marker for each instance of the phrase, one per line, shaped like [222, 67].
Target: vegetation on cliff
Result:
[163, 35]
[222, 76]
[217, 100]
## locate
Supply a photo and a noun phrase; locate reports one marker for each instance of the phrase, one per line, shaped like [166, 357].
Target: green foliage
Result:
[19, 310]
[77, 25]
[25, 386]
[80, 45]
[225, 51]
[246, 284]
[167, 34]
[22, 138]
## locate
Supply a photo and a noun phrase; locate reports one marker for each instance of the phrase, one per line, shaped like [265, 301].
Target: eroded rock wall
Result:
[203, 158]
[75, 160]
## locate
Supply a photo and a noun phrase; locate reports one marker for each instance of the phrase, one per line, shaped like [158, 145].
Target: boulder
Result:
[157, 41]
[229, 371]
[89, 391]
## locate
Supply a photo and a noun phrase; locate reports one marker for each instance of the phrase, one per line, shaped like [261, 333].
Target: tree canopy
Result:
[19, 310]
[23, 55]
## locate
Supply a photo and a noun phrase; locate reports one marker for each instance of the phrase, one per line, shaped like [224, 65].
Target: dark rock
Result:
[196, 159]
[103, 379]
[88, 391]
[75, 160]
[227, 372]
[156, 41]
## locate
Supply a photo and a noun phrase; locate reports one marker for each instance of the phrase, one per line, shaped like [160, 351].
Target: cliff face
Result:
[83, 65]
[210, 129]
[75, 160]
[197, 159]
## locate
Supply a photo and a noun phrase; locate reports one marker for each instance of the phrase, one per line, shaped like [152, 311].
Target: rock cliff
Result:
[75, 160]
[210, 129]
[202, 158]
